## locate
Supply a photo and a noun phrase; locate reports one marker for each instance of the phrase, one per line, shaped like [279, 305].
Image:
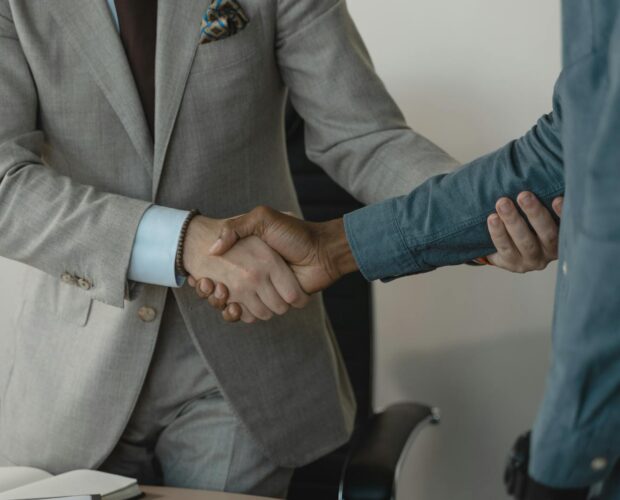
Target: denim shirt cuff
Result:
[377, 242]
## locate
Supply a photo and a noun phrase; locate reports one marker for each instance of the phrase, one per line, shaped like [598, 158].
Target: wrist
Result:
[201, 233]
[334, 249]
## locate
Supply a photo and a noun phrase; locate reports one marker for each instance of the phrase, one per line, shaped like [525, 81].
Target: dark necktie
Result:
[138, 26]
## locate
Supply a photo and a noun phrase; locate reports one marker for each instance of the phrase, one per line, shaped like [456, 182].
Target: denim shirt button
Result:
[565, 268]
[599, 464]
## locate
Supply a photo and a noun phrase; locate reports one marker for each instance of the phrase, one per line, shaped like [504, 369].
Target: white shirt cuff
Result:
[153, 258]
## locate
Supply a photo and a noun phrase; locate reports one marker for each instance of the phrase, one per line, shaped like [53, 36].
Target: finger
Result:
[272, 299]
[541, 220]
[507, 253]
[558, 204]
[219, 298]
[257, 307]
[204, 288]
[288, 287]
[250, 224]
[232, 231]
[247, 316]
[524, 239]
[232, 313]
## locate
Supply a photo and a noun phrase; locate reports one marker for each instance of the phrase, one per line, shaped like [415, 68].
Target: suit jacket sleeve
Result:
[354, 129]
[46, 220]
[443, 221]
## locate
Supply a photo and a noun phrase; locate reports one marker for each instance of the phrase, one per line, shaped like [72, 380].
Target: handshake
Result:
[266, 262]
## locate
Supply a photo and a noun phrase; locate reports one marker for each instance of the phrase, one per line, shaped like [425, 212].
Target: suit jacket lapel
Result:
[92, 32]
[178, 36]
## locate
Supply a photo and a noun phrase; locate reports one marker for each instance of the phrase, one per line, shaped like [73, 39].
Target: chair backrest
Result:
[349, 302]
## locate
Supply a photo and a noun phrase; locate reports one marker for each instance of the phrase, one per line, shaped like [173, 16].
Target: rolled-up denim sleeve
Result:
[153, 256]
[443, 221]
[377, 242]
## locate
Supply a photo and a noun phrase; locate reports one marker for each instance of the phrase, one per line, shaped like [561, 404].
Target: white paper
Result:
[75, 483]
[14, 477]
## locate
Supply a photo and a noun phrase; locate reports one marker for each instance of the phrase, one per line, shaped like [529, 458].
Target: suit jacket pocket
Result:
[230, 50]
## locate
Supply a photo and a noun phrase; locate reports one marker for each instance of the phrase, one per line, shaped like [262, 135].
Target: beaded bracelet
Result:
[180, 268]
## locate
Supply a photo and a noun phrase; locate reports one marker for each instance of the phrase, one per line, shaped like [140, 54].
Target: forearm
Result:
[443, 222]
[58, 226]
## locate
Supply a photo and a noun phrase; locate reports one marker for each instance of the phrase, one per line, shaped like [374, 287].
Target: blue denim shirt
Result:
[576, 439]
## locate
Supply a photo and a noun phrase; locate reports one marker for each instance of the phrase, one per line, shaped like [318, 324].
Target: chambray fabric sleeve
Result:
[443, 221]
[153, 256]
[576, 439]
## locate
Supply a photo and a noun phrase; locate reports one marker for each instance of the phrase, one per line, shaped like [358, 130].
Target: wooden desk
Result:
[160, 493]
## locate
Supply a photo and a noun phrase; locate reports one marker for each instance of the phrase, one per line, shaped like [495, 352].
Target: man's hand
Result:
[318, 253]
[254, 275]
[519, 249]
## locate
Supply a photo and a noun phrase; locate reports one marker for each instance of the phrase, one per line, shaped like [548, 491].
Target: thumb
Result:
[250, 224]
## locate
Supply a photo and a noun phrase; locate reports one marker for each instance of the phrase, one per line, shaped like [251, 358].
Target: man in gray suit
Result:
[118, 117]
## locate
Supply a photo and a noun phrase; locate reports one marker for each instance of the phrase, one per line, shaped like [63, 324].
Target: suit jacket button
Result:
[599, 464]
[67, 278]
[147, 314]
[84, 284]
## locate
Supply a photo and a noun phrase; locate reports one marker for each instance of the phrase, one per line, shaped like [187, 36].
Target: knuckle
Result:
[216, 303]
[235, 288]
[262, 211]
[552, 241]
[227, 227]
[254, 276]
[530, 247]
[292, 297]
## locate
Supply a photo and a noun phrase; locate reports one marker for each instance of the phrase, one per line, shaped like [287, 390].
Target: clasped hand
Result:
[265, 262]
[255, 276]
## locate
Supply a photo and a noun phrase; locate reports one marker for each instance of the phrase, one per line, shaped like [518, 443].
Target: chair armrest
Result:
[376, 453]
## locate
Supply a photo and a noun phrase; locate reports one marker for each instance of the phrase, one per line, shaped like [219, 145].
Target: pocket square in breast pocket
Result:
[223, 18]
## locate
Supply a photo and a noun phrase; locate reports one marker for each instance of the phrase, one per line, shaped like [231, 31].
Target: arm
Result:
[353, 128]
[64, 228]
[47, 220]
[355, 131]
[444, 221]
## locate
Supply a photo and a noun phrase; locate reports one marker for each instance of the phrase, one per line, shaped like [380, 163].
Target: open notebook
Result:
[26, 483]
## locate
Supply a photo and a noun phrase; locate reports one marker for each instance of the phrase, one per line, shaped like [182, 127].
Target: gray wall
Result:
[470, 75]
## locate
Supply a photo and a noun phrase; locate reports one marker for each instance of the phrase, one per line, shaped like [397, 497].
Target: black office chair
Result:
[366, 467]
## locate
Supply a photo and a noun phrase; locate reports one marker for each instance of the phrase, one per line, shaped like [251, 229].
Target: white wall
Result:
[471, 76]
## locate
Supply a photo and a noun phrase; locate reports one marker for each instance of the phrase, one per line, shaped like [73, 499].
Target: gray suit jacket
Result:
[78, 169]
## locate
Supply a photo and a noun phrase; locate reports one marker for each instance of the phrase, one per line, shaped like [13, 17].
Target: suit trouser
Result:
[183, 433]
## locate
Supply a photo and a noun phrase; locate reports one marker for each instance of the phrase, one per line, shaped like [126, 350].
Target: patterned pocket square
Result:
[223, 18]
